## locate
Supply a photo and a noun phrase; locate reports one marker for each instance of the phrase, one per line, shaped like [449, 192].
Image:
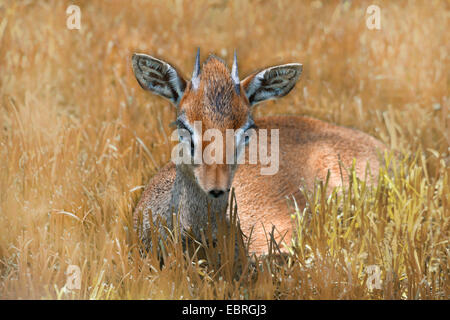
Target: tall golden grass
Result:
[79, 138]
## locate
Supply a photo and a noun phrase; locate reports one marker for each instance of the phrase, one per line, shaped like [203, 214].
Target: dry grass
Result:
[78, 138]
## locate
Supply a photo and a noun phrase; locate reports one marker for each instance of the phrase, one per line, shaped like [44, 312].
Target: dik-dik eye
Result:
[248, 132]
[185, 135]
[192, 148]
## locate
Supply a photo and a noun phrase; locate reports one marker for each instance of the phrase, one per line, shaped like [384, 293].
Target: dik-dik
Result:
[217, 99]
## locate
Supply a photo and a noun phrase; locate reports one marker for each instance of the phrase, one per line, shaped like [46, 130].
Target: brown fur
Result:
[215, 102]
[308, 149]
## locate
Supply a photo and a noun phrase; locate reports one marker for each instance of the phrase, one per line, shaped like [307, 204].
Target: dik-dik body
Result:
[215, 97]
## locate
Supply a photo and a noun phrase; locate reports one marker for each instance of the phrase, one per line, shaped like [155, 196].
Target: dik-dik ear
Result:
[158, 77]
[271, 83]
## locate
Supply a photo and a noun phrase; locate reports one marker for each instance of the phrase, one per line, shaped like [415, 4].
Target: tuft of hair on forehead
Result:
[215, 75]
[218, 85]
[216, 102]
[220, 96]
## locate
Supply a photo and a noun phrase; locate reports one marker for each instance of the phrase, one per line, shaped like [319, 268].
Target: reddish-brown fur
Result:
[309, 148]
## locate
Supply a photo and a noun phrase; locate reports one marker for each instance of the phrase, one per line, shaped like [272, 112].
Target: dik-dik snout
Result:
[214, 100]
[214, 179]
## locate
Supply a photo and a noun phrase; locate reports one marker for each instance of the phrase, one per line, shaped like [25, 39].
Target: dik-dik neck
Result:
[193, 204]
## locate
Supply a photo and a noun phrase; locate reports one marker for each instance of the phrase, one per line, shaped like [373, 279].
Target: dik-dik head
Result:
[214, 98]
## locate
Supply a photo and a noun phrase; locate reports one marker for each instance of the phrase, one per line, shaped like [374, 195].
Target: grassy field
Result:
[79, 138]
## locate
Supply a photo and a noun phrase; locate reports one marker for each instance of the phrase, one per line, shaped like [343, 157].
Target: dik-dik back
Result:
[290, 152]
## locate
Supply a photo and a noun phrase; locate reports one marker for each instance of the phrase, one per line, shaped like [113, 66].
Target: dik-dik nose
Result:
[216, 193]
